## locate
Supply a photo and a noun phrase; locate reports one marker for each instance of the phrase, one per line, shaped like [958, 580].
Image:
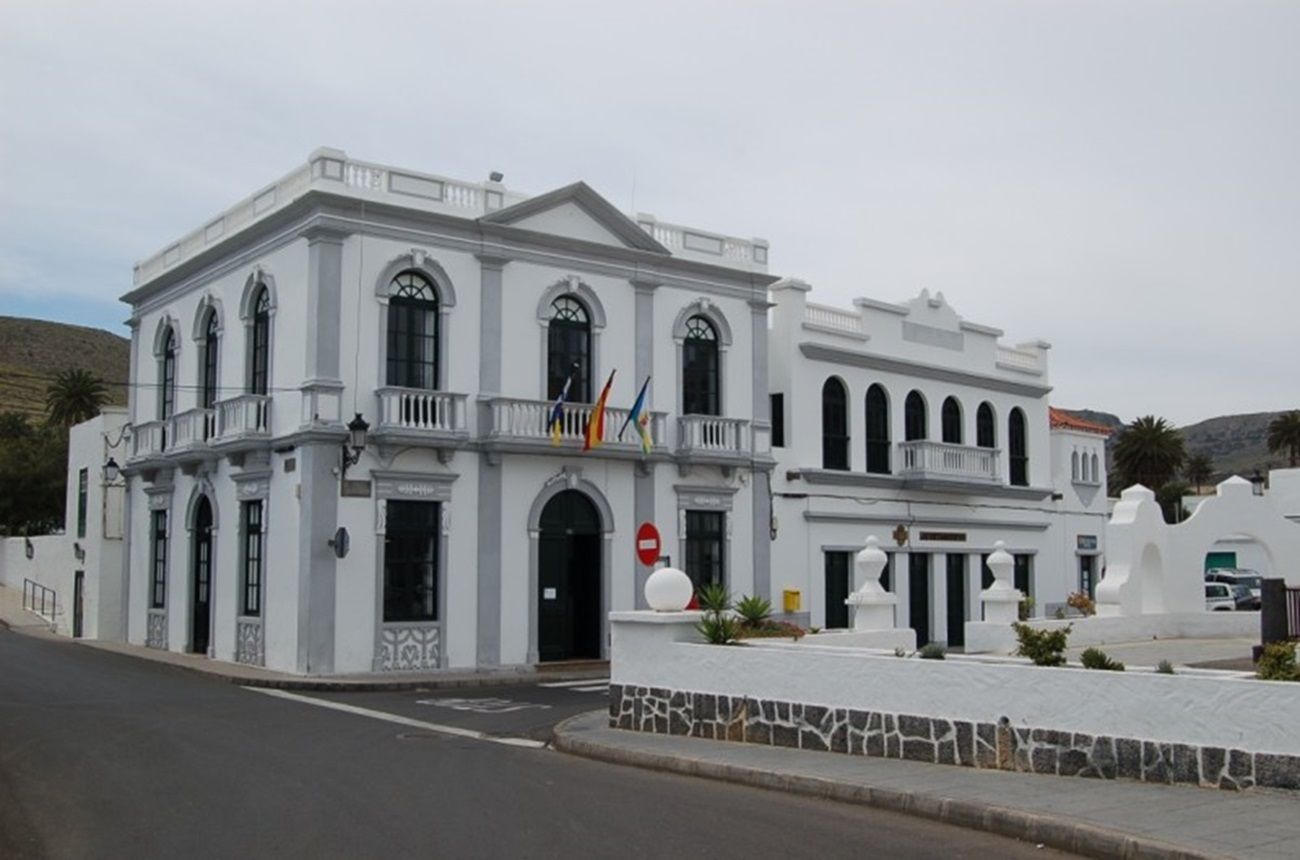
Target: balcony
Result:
[149, 440]
[944, 463]
[417, 416]
[243, 421]
[526, 424]
[711, 438]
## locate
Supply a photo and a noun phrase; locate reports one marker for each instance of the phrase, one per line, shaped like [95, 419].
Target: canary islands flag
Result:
[596, 424]
[557, 412]
[639, 417]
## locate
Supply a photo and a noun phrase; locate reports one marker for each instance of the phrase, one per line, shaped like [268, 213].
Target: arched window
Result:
[568, 350]
[951, 418]
[835, 425]
[412, 332]
[259, 358]
[208, 381]
[1074, 467]
[167, 376]
[1096, 470]
[914, 417]
[985, 428]
[1016, 443]
[700, 376]
[877, 430]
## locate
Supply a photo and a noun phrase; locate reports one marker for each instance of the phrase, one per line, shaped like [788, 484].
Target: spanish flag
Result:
[596, 424]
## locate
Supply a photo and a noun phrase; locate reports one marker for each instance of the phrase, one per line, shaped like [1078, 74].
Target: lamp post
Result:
[1257, 482]
[358, 427]
[111, 471]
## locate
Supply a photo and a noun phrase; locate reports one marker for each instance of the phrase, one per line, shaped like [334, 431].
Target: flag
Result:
[596, 424]
[640, 418]
[557, 412]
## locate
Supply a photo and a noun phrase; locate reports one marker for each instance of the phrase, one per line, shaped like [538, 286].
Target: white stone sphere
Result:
[668, 590]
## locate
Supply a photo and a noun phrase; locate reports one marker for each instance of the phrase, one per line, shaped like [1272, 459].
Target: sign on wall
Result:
[648, 544]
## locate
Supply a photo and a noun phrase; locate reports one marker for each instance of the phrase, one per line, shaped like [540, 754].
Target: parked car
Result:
[1219, 597]
[1238, 576]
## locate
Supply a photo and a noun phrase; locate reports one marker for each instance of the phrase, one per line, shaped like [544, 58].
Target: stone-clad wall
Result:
[970, 744]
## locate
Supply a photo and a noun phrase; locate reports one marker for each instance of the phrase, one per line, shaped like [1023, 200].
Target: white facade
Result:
[325, 251]
[937, 494]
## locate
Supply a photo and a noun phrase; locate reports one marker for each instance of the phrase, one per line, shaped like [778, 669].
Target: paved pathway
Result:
[1090, 817]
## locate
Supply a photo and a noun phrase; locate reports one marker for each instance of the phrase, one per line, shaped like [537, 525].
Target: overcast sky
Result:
[1121, 179]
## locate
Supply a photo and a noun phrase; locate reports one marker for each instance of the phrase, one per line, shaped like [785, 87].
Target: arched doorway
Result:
[201, 583]
[569, 579]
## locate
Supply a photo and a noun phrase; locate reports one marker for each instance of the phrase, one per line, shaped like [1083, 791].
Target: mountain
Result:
[1238, 444]
[33, 352]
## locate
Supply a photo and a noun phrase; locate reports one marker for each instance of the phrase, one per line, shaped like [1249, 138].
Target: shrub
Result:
[713, 598]
[932, 651]
[755, 610]
[771, 630]
[1277, 663]
[1026, 608]
[1164, 667]
[1044, 647]
[1095, 658]
[1082, 602]
[719, 628]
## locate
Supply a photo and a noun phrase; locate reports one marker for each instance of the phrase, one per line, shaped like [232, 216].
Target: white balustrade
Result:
[714, 434]
[944, 460]
[148, 439]
[826, 316]
[530, 420]
[191, 428]
[1018, 359]
[421, 410]
[244, 416]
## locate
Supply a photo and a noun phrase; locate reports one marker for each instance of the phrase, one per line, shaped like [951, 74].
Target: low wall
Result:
[1206, 730]
[982, 637]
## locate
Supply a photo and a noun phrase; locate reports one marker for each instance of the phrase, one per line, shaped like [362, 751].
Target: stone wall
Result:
[987, 745]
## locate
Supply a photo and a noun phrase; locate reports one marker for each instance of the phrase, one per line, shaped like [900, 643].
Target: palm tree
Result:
[1149, 452]
[1198, 469]
[74, 396]
[1284, 435]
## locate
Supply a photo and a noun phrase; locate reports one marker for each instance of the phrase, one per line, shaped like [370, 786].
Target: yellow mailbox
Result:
[790, 599]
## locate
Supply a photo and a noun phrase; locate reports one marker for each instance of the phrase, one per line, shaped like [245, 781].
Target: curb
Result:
[1055, 831]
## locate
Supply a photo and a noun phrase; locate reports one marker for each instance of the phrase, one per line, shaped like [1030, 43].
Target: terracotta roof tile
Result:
[1060, 419]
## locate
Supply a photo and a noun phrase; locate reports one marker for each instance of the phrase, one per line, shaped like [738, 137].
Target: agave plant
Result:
[755, 610]
[714, 598]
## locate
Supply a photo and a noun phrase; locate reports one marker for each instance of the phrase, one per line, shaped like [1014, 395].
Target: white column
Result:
[939, 596]
[1001, 599]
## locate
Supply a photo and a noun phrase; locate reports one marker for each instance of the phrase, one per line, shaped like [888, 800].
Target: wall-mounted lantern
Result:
[1257, 482]
[357, 430]
[111, 471]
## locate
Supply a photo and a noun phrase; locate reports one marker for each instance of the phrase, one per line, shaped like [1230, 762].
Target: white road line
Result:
[584, 683]
[457, 731]
[601, 688]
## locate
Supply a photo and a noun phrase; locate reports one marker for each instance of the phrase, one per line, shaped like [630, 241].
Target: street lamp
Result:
[111, 471]
[357, 430]
[1257, 482]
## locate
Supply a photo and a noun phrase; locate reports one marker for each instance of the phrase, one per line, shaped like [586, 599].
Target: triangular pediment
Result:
[577, 212]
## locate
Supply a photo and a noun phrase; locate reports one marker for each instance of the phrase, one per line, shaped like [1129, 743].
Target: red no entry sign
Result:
[648, 544]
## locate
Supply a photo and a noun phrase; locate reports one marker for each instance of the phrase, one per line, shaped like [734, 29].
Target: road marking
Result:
[482, 706]
[599, 688]
[583, 683]
[456, 731]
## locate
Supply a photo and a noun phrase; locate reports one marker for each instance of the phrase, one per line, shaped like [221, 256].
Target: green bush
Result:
[932, 651]
[713, 598]
[719, 628]
[1277, 663]
[1164, 667]
[755, 610]
[1026, 608]
[1044, 647]
[1095, 658]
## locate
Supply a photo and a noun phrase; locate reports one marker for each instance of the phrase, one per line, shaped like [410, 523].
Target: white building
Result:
[907, 422]
[449, 315]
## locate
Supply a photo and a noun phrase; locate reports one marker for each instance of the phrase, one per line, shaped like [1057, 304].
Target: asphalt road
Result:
[103, 755]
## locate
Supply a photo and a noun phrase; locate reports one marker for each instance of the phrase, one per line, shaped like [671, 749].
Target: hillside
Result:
[1236, 443]
[33, 352]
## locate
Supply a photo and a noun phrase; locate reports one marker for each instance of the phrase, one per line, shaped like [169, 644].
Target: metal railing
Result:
[40, 599]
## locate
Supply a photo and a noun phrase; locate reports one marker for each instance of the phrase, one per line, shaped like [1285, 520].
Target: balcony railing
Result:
[148, 439]
[529, 420]
[421, 411]
[247, 416]
[190, 429]
[925, 459]
[711, 434]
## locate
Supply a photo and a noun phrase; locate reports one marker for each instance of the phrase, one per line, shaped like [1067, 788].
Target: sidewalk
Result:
[1089, 817]
[14, 617]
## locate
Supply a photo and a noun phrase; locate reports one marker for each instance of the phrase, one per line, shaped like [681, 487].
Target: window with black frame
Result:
[83, 495]
[411, 537]
[835, 425]
[568, 350]
[700, 376]
[167, 377]
[413, 323]
[158, 561]
[914, 422]
[951, 420]
[877, 405]
[208, 382]
[1017, 451]
[259, 364]
[705, 545]
[985, 427]
[253, 555]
